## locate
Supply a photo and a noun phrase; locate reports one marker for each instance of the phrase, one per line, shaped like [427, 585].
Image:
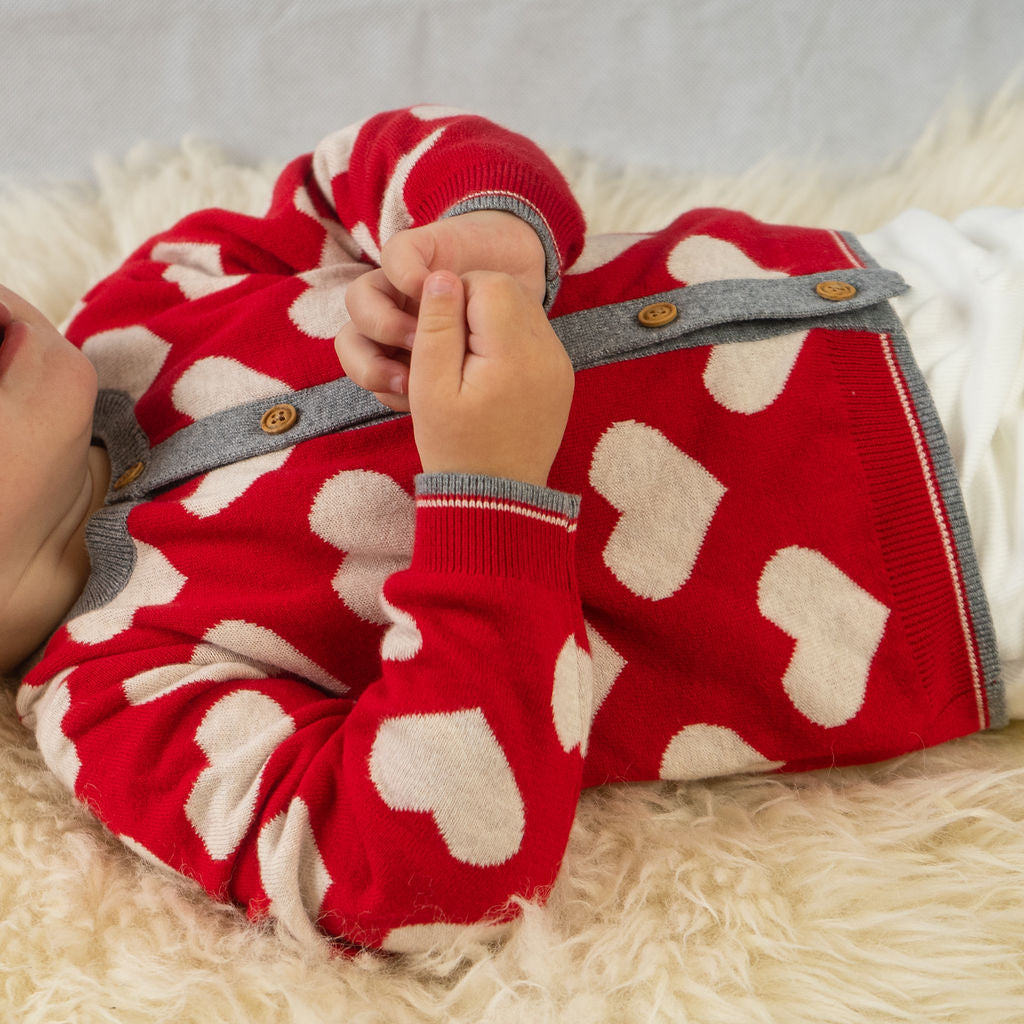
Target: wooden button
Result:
[657, 314]
[279, 418]
[130, 475]
[835, 291]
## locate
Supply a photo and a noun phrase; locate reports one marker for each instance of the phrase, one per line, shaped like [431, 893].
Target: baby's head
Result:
[47, 394]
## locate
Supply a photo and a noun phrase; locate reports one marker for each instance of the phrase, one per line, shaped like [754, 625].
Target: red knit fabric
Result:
[330, 699]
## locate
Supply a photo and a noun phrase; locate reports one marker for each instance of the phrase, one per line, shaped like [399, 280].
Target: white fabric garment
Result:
[964, 316]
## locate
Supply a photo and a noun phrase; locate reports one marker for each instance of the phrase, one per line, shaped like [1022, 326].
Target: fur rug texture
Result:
[888, 893]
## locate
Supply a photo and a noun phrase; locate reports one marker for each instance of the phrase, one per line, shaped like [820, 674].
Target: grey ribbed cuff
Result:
[499, 488]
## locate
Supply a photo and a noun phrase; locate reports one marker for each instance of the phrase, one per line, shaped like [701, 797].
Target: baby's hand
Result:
[481, 240]
[373, 347]
[490, 383]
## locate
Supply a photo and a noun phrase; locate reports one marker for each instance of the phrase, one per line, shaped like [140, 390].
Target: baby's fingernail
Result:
[439, 284]
[398, 384]
[409, 339]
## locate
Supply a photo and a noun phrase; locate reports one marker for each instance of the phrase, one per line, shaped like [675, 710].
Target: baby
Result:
[351, 667]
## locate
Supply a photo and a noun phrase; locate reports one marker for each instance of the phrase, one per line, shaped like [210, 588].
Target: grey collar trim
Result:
[111, 551]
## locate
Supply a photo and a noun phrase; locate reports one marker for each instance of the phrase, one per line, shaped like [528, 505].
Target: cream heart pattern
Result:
[237, 734]
[267, 651]
[331, 158]
[292, 871]
[127, 359]
[394, 214]
[154, 581]
[43, 709]
[207, 664]
[572, 696]
[450, 765]
[704, 751]
[216, 383]
[837, 626]
[195, 267]
[221, 487]
[666, 501]
[607, 664]
[747, 376]
[582, 682]
[339, 246]
[363, 237]
[403, 639]
[370, 517]
[702, 258]
[320, 311]
[435, 112]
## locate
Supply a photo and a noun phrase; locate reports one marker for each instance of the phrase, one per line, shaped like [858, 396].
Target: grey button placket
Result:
[712, 313]
[237, 433]
[726, 312]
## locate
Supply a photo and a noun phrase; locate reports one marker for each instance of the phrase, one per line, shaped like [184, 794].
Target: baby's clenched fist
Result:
[490, 384]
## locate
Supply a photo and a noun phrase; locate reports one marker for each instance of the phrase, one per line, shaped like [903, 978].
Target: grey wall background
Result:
[694, 85]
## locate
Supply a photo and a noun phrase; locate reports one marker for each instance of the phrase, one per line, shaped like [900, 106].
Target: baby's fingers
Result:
[377, 368]
[441, 336]
[408, 257]
[378, 311]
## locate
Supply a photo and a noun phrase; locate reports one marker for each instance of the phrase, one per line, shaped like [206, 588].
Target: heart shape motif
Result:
[837, 626]
[320, 311]
[702, 258]
[371, 518]
[666, 501]
[582, 682]
[451, 765]
[220, 487]
[747, 376]
[237, 734]
[292, 871]
[600, 250]
[43, 709]
[207, 664]
[572, 696]
[607, 664]
[266, 651]
[127, 359]
[154, 581]
[195, 267]
[703, 751]
[403, 640]
[216, 383]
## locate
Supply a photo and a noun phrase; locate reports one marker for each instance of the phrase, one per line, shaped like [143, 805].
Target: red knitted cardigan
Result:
[366, 701]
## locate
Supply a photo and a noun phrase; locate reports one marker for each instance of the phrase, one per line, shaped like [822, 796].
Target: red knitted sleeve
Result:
[333, 209]
[411, 167]
[447, 788]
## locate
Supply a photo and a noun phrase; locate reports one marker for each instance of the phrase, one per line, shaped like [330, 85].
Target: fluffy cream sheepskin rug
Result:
[888, 893]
